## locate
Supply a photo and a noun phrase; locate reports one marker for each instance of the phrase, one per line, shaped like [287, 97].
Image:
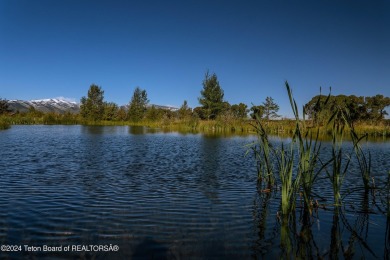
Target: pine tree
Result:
[212, 96]
[270, 108]
[92, 107]
[110, 111]
[184, 111]
[137, 105]
[4, 108]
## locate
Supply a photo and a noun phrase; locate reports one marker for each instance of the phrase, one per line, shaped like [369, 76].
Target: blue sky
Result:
[59, 48]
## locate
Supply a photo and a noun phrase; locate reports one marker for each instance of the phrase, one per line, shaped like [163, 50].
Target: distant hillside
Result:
[57, 106]
[164, 107]
[44, 105]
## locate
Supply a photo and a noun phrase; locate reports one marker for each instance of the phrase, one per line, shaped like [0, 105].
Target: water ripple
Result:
[177, 196]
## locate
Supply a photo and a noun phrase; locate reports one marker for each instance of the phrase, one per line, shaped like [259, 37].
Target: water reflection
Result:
[174, 195]
[265, 227]
[387, 238]
[301, 237]
[136, 153]
[350, 233]
[137, 130]
[209, 155]
[361, 224]
[91, 173]
[385, 199]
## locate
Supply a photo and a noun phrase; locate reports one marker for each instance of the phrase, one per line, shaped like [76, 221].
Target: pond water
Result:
[126, 192]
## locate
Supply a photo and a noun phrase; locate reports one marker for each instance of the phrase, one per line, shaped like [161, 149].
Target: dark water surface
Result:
[163, 196]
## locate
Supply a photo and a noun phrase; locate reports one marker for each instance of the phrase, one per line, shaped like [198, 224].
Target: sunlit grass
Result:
[283, 127]
[4, 124]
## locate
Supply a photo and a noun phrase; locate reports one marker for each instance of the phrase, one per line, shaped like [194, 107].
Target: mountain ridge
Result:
[57, 105]
[44, 105]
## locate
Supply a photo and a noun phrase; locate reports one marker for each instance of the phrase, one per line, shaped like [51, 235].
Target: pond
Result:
[127, 192]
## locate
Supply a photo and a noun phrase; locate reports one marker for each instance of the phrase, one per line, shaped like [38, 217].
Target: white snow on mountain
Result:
[57, 105]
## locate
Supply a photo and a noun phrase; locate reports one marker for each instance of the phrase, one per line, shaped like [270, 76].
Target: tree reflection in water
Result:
[300, 238]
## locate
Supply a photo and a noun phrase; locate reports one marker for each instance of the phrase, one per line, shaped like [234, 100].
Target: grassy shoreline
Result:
[284, 128]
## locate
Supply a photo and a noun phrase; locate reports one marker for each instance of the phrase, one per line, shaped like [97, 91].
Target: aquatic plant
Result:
[387, 204]
[289, 186]
[339, 163]
[364, 161]
[308, 150]
[263, 152]
[308, 153]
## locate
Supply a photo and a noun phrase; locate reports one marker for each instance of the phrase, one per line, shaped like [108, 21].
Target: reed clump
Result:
[306, 147]
[4, 124]
[282, 127]
[264, 154]
[296, 166]
[338, 161]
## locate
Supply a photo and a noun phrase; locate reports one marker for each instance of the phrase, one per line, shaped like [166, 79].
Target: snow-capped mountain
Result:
[44, 105]
[171, 108]
[58, 105]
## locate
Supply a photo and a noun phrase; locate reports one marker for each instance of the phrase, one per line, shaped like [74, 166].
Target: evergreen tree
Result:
[137, 105]
[270, 108]
[154, 114]
[199, 112]
[122, 114]
[257, 112]
[110, 111]
[92, 107]
[239, 111]
[4, 108]
[212, 96]
[184, 111]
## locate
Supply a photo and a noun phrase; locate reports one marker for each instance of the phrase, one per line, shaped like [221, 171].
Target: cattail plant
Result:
[308, 153]
[289, 186]
[363, 160]
[263, 152]
[339, 168]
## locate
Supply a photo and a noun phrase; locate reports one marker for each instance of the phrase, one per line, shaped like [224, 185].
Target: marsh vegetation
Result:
[294, 169]
[215, 114]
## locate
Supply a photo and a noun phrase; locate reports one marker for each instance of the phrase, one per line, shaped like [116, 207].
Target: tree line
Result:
[213, 106]
[362, 109]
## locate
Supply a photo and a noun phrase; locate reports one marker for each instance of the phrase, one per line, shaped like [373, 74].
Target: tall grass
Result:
[363, 159]
[307, 148]
[387, 205]
[298, 164]
[284, 127]
[263, 152]
[289, 186]
[339, 162]
[4, 122]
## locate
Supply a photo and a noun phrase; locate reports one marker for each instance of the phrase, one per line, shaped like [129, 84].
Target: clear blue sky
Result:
[59, 48]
